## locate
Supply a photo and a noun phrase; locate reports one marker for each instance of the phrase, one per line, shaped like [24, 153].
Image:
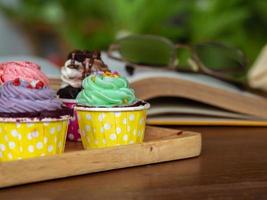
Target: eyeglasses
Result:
[213, 59]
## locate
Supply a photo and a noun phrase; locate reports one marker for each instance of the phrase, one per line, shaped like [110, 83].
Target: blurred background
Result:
[52, 28]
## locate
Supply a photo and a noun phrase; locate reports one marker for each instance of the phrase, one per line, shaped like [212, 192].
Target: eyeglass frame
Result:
[194, 62]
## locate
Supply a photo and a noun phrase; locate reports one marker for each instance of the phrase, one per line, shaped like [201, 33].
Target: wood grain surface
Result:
[233, 165]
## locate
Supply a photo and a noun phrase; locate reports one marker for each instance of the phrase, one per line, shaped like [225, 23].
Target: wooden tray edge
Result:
[83, 162]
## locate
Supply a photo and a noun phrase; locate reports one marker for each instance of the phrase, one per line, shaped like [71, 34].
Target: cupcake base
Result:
[27, 138]
[107, 127]
[73, 128]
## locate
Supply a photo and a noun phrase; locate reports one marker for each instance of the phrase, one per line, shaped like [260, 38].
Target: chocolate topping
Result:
[79, 55]
[89, 59]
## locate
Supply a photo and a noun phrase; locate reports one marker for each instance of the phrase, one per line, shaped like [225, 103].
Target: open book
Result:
[194, 99]
[189, 99]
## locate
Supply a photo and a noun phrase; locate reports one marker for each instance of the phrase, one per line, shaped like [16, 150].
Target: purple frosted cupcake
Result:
[33, 121]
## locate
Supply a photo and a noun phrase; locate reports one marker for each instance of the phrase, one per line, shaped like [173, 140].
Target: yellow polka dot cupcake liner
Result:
[107, 127]
[29, 139]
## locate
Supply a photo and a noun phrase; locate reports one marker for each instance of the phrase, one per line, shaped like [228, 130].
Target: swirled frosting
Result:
[72, 76]
[23, 99]
[24, 70]
[106, 90]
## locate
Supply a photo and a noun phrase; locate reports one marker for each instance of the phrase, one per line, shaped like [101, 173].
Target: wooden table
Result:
[233, 165]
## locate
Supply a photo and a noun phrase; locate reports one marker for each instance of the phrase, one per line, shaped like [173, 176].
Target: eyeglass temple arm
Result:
[199, 66]
[115, 47]
[111, 49]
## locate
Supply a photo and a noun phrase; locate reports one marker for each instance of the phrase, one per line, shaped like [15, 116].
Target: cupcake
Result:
[78, 65]
[33, 121]
[108, 112]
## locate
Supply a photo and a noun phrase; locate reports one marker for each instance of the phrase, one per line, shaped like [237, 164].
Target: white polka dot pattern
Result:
[14, 133]
[11, 145]
[39, 145]
[118, 130]
[26, 140]
[113, 136]
[30, 148]
[104, 129]
[88, 117]
[125, 137]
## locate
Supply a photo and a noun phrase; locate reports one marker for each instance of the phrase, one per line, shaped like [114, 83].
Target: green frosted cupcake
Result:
[109, 114]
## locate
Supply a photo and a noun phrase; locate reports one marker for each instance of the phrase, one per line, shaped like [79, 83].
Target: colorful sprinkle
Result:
[39, 85]
[111, 74]
[93, 78]
[16, 82]
[125, 101]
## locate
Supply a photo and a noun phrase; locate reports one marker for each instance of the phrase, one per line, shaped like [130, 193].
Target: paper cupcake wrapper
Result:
[31, 139]
[73, 128]
[106, 128]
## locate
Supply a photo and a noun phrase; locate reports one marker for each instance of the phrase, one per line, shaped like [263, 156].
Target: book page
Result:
[177, 107]
[197, 78]
[192, 77]
[203, 121]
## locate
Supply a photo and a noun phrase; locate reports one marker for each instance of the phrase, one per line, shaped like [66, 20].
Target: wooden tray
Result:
[160, 145]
